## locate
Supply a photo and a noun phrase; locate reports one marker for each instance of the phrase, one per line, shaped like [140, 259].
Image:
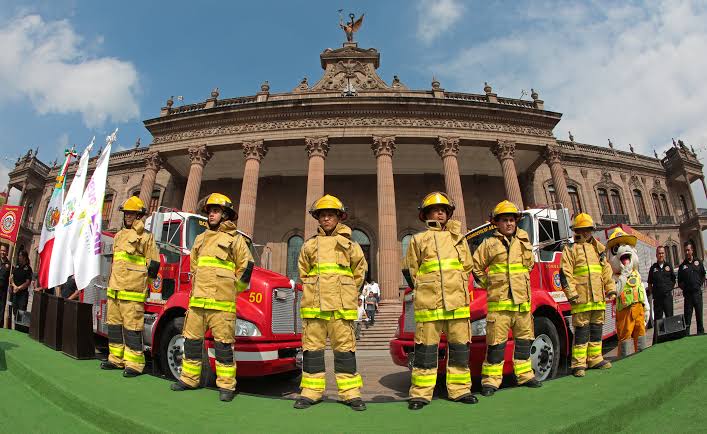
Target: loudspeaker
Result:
[670, 328]
[77, 334]
[53, 322]
[39, 315]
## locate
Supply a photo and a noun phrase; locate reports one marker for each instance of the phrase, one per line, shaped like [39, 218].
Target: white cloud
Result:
[616, 70]
[45, 62]
[435, 17]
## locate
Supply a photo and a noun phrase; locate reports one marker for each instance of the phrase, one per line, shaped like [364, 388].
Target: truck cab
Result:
[549, 232]
[268, 325]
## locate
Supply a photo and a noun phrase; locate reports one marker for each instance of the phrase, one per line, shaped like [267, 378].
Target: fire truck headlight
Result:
[478, 327]
[246, 328]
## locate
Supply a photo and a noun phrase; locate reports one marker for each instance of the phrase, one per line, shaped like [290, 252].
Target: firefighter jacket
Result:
[586, 276]
[439, 264]
[219, 260]
[332, 269]
[631, 293]
[509, 261]
[134, 251]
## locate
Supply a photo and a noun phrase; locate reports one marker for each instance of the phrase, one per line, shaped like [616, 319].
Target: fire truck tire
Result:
[172, 352]
[545, 349]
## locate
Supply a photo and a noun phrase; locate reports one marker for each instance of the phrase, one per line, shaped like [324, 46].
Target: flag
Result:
[51, 218]
[10, 218]
[61, 265]
[87, 251]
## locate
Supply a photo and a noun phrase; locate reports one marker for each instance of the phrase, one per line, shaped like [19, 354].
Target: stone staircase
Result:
[378, 336]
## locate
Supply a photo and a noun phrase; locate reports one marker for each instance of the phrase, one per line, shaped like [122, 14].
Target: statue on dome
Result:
[351, 27]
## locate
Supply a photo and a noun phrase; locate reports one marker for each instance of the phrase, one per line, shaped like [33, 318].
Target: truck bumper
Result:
[402, 350]
[266, 358]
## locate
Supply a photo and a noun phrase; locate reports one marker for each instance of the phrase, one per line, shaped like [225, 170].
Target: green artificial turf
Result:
[636, 394]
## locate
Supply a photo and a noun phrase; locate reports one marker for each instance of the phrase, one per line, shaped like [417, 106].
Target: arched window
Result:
[640, 205]
[664, 202]
[616, 204]
[668, 257]
[294, 245]
[574, 197]
[362, 239]
[107, 208]
[604, 201]
[553, 194]
[676, 258]
[656, 205]
[154, 201]
[406, 243]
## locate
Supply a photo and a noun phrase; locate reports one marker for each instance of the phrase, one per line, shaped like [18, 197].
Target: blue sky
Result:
[628, 71]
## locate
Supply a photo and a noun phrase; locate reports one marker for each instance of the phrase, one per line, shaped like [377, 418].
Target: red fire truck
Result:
[549, 231]
[268, 328]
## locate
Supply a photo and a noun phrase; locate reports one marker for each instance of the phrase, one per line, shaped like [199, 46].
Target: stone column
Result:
[388, 254]
[253, 153]
[505, 151]
[317, 150]
[199, 156]
[448, 150]
[552, 157]
[153, 163]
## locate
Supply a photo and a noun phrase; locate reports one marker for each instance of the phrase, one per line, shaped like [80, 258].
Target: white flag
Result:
[87, 251]
[61, 265]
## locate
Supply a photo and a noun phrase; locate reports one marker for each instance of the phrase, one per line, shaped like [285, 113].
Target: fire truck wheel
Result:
[545, 350]
[172, 352]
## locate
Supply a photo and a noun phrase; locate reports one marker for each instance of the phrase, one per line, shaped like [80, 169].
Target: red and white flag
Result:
[51, 219]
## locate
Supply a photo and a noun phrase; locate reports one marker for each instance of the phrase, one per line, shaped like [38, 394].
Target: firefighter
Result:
[587, 281]
[438, 267]
[135, 261]
[332, 268]
[221, 265]
[508, 256]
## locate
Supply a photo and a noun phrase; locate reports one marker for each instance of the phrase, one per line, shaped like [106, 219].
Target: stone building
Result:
[380, 147]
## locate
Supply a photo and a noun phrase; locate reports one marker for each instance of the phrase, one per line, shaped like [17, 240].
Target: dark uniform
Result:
[691, 276]
[20, 275]
[661, 277]
[4, 284]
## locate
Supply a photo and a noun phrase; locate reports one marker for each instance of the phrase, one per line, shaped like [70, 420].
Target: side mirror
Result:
[563, 224]
[157, 225]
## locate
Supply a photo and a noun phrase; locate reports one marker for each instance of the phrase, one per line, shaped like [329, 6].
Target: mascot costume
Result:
[632, 306]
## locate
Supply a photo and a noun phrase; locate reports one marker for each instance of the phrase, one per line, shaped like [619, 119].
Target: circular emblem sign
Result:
[52, 219]
[157, 284]
[556, 281]
[8, 222]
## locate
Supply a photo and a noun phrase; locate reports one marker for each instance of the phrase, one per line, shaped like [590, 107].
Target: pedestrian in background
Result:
[691, 276]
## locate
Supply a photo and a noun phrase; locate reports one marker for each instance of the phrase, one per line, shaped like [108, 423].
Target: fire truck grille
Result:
[409, 317]
[285, 311]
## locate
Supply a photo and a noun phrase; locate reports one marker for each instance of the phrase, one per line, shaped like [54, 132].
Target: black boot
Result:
[180, 387]
[488, 390]
[356, 404]
[303, 403]
[130, 373]
[108, 365]
[467, 399]
[416, 405]
[532, 383]
[226, 395]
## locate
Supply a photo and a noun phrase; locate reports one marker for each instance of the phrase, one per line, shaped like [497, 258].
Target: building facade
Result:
[379, 147]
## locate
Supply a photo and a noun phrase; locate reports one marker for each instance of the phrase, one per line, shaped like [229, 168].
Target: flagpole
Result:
[8, 321]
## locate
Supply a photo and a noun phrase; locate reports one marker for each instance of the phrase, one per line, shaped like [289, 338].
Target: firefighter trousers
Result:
[222, 325]
[342, 337]
[498, 324]
[424, 367]
[586, 350]
[631, 324]
[125, 322]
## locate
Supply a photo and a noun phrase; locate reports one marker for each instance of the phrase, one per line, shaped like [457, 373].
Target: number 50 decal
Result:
[255, 297]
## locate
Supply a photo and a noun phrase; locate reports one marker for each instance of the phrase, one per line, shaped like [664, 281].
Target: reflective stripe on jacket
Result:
[332, 269]
[218, 260]
[586, 275]
[133, 249]
[504, 265]
[439, 263]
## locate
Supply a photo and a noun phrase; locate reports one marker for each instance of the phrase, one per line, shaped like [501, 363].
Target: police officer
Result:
[691, 276]
[4, 281]
[661, 280]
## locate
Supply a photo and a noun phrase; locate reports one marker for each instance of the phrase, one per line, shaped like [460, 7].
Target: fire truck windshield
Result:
[195, 226]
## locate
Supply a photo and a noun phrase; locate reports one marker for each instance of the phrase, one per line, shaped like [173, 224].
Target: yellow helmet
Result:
[224, 202]
[505, 207]
[583, 221]
[620, 237]
[436, 198]
[133, 204]
[328, 202]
